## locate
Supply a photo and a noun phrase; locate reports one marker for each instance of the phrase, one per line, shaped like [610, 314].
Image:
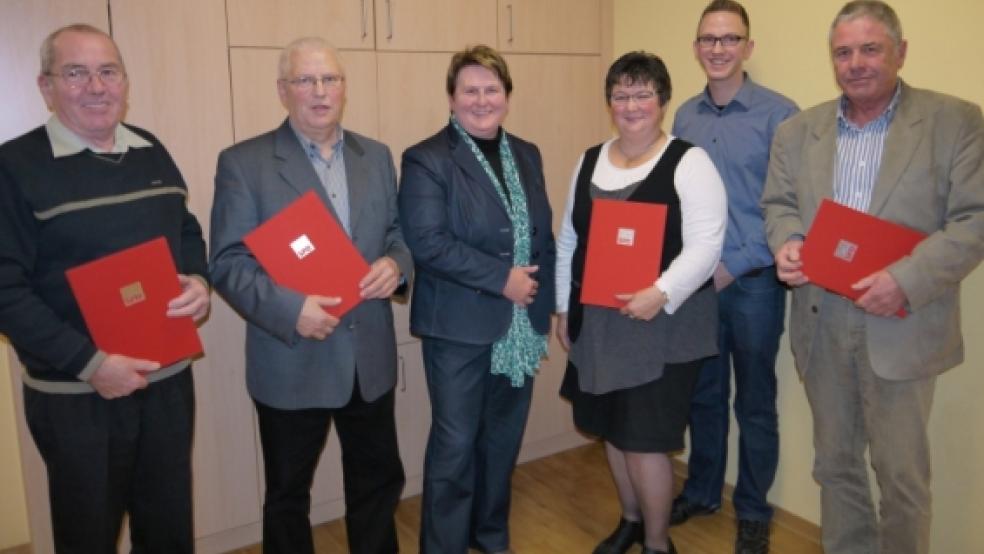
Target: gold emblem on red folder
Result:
[132, 294]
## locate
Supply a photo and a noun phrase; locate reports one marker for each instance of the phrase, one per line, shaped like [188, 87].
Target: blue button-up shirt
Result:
[737, 137]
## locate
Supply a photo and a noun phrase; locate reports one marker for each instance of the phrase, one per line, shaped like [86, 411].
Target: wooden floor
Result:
[566, 503]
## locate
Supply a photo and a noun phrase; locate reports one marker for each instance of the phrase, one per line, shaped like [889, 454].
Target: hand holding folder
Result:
[303, 248]
[844, 246]
[625, 249]
[124, 300]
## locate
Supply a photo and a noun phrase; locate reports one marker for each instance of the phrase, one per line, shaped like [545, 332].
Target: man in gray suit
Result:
[906, 155]
[304, 367]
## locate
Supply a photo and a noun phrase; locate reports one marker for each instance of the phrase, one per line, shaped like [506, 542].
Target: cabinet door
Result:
[179, 90]
[413, 414]
[413, 104]
[434, 25]
[557, 103]
[274, 23]
[258, 108]
[550, 26]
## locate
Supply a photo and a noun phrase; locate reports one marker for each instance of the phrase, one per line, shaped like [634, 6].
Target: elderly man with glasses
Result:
[114, 431]
[304, 367]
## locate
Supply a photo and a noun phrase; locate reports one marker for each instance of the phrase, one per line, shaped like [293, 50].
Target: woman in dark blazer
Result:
[474, 211]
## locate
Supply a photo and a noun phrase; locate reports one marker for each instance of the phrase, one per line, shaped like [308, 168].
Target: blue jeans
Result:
[751, 312]
[476, 431]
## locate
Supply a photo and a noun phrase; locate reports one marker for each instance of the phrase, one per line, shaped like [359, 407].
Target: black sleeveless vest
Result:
[658, 188]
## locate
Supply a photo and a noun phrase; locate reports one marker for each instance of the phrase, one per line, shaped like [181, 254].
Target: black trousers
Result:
[109, 457]
[292, 442]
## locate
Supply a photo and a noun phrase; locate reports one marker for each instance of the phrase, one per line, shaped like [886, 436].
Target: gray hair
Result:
[48, 46]
[875, 9]
[303, 43]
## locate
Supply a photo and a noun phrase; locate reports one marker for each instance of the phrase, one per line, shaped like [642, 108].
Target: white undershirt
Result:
[703, 213]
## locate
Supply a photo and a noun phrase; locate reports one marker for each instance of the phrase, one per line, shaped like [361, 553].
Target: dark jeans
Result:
[477, 427]
[109, 457]
[292, 442]
[751, 312]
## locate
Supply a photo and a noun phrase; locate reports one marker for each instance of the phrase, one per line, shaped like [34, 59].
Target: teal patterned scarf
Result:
[517, 354]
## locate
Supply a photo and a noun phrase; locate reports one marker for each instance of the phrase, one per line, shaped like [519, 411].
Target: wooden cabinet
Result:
[550, 26]
[274, 23]
[434, 25]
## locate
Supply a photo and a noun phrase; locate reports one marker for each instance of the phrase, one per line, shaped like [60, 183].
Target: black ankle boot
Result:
[621, 540]
[671, 549]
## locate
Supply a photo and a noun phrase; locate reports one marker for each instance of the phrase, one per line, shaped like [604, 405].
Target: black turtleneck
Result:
[490, 149]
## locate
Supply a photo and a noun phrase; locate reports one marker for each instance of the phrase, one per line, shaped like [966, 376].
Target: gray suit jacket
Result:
[254, 180]
[931, 179]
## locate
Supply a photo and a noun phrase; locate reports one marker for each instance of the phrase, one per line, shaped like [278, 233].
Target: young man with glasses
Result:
[734, 119]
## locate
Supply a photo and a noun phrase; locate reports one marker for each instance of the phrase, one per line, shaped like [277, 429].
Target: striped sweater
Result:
[56, 213]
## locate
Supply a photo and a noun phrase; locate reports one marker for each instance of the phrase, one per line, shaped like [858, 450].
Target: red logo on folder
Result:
[124, 297]
[625, 248]
[844, 246]
[303, 248]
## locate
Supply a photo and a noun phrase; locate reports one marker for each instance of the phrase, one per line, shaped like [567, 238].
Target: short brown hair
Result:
[727, 6]
[48, 45]
[480, 55]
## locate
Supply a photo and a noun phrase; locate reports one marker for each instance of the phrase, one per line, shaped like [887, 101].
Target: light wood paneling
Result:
[557, 102]
[258, 108]
[23, 25]
[274, 23]
[434, 25]
[413, 104]
[550, 26]
[179, 90]
[413, 416]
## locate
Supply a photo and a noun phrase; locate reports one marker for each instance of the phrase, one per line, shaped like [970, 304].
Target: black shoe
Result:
[622, 539]
[753, 537]
[684, 509]
[672, 549]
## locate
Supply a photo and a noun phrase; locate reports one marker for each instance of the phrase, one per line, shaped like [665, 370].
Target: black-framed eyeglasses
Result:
[308, 82]
[707, 42]
[80, 76]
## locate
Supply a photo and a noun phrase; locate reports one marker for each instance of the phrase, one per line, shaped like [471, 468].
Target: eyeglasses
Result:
[707, 42]
[622, 99]
[78, 76]
[306, 83]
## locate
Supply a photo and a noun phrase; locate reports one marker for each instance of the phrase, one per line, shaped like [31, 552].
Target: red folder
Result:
[124, 297]
[303, 248]
[844, 246]
[625, 248]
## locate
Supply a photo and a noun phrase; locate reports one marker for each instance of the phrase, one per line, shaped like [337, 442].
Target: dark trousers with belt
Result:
[292, 442]
[477, 428]
[109, 457]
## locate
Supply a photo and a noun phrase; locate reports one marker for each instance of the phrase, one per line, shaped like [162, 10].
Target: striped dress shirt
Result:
[859, 155]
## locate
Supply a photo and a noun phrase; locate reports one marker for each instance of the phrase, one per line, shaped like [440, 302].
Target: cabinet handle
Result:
[509, 8]
[389, 19]
[403, 374]
[365, 30]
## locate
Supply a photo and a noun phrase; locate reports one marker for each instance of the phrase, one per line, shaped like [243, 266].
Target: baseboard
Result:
[21, 549]
[787, 520]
